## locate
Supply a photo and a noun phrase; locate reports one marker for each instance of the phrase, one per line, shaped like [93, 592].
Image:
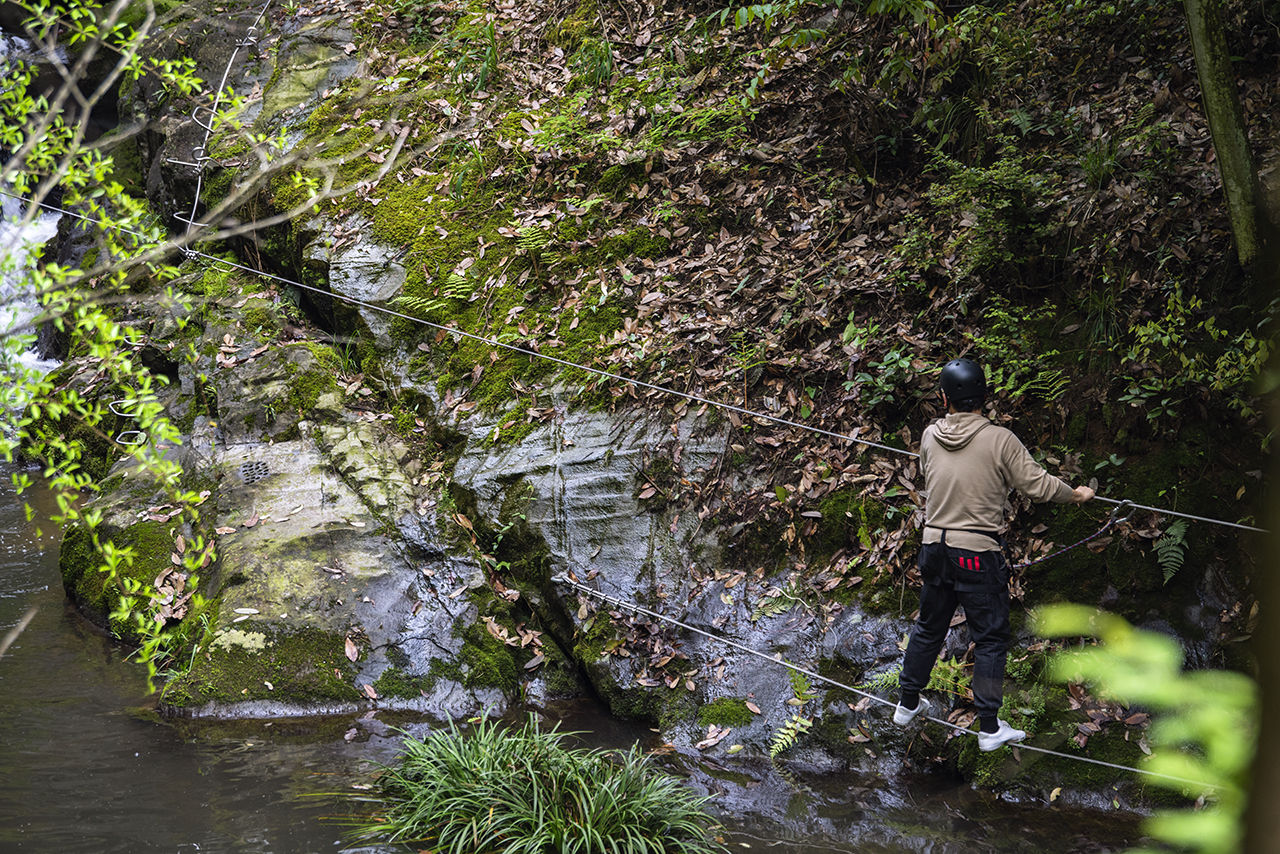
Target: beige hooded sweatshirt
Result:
[969, 466]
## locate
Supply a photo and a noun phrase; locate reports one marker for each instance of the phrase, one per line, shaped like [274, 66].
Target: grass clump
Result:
[499, 790]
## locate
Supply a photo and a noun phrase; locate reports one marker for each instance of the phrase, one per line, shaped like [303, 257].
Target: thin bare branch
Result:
[12, 634]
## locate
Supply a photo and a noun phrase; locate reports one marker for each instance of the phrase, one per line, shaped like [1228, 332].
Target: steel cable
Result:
[201, 152]
[564, 578]
[534, 354]
[1113, 519]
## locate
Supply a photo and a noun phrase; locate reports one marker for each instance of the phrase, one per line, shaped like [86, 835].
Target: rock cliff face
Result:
[416, 568]
[437, 558]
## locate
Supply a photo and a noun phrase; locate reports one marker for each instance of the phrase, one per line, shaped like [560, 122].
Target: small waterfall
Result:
[18, 307]
[19, 243]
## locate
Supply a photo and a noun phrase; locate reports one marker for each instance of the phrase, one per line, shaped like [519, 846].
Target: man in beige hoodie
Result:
[969, 466]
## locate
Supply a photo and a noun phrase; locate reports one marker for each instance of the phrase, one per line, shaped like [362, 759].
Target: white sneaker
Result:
[902, 716]
[989, 741]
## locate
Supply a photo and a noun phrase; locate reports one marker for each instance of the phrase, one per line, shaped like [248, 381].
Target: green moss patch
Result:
[665, 707]
[396, 682]
[306, 385]
[594, 638]
[261, 316]
[727, 711]
[488, 662]
[847, 518]
[255, 662]
[93, 590]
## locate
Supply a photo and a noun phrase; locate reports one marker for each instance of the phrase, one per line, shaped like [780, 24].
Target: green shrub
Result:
[1184, 351]
[996, 216]
[511, 791]
[1013, 345]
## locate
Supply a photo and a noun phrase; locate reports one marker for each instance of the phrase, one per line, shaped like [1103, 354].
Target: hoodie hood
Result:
[957, 429]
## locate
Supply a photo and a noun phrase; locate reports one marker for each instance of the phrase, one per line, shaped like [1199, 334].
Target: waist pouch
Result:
[963, 569]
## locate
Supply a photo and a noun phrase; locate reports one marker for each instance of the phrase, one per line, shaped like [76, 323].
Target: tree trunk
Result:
[1262, 818]
[1226, 123]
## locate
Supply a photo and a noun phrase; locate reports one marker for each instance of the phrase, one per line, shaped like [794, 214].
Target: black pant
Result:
[980, 582]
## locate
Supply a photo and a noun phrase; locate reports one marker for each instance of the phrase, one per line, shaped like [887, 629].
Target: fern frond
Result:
[458, 286]
[418, 305]
[1171, 548]
[532, 238]
[951, 676]
[1048, 385]
[881, 683]
[800, 686]
[788, 734]
[771, 606]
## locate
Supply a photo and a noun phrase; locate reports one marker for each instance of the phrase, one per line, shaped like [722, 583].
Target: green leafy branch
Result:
[1204, 730]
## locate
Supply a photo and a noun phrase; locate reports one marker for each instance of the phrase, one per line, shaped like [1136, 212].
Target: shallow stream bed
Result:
[85, 766]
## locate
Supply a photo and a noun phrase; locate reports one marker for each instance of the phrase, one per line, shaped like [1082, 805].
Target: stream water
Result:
[86, 767]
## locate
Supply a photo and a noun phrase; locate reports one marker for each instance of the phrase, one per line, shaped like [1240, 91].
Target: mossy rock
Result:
[127, 164]
[726, 711]
[488, 662]
[261, 316]
[399, 683]
[562, 676]
[847, 518]
[98, 451]
[999, 769]
[250, 661]
[318, 377]
[570, 32]
[615, 180]
[662, 706]
[93, 591]
[832, 732]
[594, 637]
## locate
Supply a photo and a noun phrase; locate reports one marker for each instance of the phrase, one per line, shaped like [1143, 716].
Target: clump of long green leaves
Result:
[520, 790]
[1204, 730]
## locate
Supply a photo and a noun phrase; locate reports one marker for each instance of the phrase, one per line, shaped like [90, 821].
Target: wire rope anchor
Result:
[127, 402]
[1127, 507]
[136, 438]
[195, 117]
[191, 222]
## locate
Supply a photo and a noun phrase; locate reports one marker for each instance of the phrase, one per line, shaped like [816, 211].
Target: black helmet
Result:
[963, 382]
